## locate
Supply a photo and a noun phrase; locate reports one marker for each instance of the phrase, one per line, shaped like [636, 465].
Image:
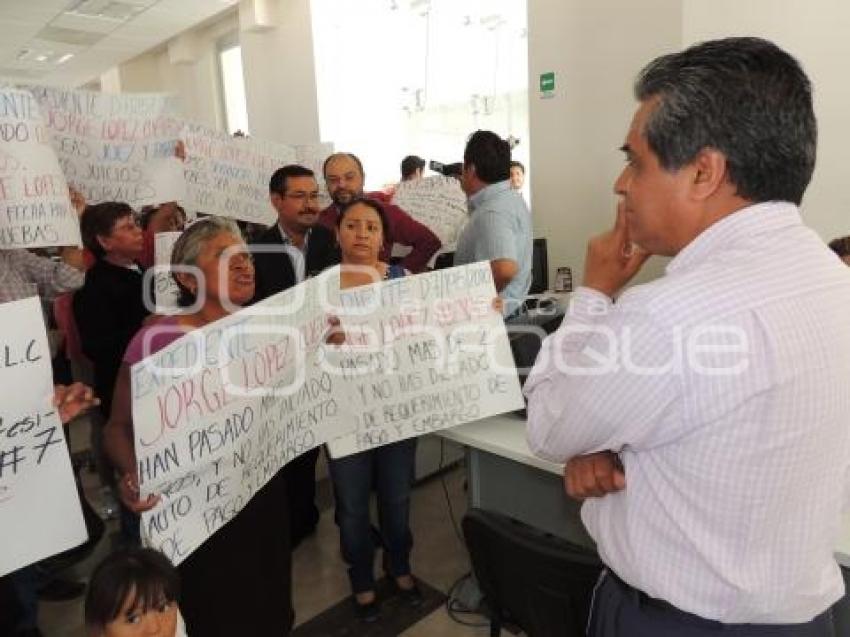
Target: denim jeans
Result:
[392, 468]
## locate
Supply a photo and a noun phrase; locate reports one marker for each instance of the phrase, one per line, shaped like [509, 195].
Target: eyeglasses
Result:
[312, 197]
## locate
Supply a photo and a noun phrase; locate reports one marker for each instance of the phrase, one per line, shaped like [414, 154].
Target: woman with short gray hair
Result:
[216, 273]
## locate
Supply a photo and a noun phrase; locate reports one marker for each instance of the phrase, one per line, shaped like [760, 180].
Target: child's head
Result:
[133, 592]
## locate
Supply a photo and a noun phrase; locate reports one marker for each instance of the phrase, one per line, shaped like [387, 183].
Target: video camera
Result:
[449, 170]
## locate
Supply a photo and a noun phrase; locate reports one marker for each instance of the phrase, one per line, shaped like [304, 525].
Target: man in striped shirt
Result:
[705, 417]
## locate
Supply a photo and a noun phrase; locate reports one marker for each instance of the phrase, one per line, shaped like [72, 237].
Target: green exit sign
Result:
[547, 82]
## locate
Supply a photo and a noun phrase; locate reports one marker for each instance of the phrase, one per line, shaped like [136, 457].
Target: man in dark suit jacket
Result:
[308, 248]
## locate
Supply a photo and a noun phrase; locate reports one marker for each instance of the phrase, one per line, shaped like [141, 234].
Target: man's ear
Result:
[274, 198]
[709, 173]
[104, 242]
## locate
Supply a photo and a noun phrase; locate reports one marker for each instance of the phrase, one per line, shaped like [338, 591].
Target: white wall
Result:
[595, 49]
[816, 33]
[280, 76]
[186, 67]
[277, 59]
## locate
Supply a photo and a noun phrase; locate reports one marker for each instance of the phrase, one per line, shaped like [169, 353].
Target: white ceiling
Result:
[72, 42]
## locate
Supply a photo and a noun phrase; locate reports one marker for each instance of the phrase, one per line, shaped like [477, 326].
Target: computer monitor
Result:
[539, 267]
[444, 260]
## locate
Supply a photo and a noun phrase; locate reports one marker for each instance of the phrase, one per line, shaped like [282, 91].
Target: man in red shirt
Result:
[344, 177]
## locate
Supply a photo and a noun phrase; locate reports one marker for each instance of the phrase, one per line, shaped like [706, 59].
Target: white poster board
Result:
[39, 506]
[218, 412]
[166, 292]
[424, 353]
[229, 176]
[115, 147]
[439, 203]
[35, 209]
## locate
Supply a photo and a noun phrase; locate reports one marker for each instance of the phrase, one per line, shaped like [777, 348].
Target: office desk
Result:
[505, 477]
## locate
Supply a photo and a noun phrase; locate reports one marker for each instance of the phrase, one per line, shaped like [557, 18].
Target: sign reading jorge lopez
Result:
[115, 147]
[219, 411]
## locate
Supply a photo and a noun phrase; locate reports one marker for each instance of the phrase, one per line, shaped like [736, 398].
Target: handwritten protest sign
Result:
[166, 292]
[218, 412]
[115, 147]
[438, 202]
[39, 505]
[424, 353]
[228, 176]
[35, 210]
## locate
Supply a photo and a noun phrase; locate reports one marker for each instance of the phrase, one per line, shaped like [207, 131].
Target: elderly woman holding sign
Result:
[253, 546]
[361, 228]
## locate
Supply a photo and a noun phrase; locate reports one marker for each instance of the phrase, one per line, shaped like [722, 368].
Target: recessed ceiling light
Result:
[64, 58]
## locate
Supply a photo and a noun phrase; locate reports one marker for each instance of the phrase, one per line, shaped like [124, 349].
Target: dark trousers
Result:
[622, 611]
[300, 477]
[239, 582]
[392, 468]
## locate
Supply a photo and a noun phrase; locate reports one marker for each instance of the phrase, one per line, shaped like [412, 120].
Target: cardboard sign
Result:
[218, 412]
[424, 353]
[115, 147]
[437, 202]
[39, 505]
[229, 176]
[35, 210]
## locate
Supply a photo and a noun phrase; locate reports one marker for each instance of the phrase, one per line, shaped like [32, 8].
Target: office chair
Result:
[541, 583]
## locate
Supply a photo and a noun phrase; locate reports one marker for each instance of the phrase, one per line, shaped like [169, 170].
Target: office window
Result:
[233, 87]
[400, 77]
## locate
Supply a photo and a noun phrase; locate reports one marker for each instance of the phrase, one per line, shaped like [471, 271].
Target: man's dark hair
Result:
[147, 213]
[745, 97]
[410, 164]
[374, 205]
[840, 246]
[351, 156]
[145, 574]
[277, 183]
[99, 220]
[490, 154]
[518, 164]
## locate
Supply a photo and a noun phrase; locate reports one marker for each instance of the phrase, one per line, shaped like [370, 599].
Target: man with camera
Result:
[499, 228]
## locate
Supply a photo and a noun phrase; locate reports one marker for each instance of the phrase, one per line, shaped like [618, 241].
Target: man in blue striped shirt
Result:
[499, 229]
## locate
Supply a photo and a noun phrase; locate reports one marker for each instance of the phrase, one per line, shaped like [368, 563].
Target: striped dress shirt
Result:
[725, 388]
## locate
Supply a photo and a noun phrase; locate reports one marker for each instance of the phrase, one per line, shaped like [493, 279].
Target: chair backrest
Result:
[63, 312]
[541, 583]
